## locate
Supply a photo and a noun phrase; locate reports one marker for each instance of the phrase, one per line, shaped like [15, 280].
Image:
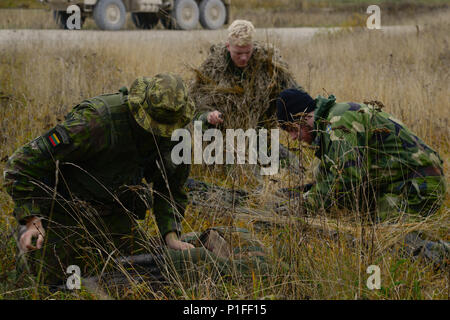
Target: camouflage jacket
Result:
[247, 96]
[359, 145]
[102, 151]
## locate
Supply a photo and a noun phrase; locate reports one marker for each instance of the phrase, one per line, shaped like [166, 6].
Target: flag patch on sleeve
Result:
[54, 140]
[57, 136]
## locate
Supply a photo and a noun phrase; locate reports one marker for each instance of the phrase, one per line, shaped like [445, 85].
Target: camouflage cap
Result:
[160, 104]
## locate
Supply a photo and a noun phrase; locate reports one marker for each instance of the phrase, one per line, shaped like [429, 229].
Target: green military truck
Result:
[174, 14]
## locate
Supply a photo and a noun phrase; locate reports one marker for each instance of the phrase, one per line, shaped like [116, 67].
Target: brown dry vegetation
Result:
[264, 14]
[408, 72]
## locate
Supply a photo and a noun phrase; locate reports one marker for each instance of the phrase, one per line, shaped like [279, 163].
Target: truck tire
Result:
[213, 14]
[110, 14]
[185, 14]
[145, 20]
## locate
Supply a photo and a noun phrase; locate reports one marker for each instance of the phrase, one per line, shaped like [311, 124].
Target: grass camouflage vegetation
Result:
[327, 254]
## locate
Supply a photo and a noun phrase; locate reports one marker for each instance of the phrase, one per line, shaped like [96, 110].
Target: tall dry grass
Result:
[40, 81]
[264, 14]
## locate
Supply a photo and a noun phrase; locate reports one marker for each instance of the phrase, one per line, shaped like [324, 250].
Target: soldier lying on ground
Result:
[79, 187]
[229, 253]
[369, 161]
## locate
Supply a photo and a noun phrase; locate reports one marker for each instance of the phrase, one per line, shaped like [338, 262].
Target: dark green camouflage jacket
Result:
[360, 145]
[102, 153]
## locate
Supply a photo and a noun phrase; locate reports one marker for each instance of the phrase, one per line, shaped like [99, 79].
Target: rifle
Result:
[207, 192]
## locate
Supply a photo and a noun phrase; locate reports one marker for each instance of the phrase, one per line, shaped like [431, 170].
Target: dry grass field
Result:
[30, 14]
[40, 82]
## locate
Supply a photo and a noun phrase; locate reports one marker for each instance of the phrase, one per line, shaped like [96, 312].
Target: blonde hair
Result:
[241, 32]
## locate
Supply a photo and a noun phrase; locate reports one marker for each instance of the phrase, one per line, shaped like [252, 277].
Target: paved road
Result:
[72, 37]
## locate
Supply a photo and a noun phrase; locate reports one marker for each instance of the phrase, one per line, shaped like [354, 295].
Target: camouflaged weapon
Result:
[200, 191]
[219, 252]
[294, 192]
[438, 252]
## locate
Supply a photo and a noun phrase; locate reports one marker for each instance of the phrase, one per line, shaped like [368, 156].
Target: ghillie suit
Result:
[246, 97]
[229, 253]
[200, 192]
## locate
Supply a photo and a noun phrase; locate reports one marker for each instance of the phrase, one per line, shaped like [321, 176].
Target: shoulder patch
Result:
[57, 136]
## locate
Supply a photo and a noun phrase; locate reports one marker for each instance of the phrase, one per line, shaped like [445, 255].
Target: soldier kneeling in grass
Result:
[79, 191]
[78, 188]
[369, 161]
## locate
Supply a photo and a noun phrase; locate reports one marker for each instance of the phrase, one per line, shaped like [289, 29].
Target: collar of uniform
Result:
[323, 106]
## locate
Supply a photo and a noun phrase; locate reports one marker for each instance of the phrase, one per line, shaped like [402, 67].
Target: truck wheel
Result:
[145, 20]
[212, 14]
[185, 14]
[110, 14]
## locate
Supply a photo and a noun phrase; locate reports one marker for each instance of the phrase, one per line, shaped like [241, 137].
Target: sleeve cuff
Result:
[172, 227]
[204, 119]
[24, 211]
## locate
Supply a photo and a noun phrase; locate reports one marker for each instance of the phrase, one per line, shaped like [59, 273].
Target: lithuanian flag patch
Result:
[54, 140]
[57, 137]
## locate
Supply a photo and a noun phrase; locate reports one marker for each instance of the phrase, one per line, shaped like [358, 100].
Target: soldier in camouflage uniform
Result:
[79, 187]
[369, 161]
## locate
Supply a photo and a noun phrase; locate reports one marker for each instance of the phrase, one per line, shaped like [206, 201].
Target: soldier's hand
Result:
[34, 229]
[215, 117]
[173, 242]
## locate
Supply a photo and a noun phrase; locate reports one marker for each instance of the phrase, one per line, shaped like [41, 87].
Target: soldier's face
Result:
[240, 54]
[302, 132]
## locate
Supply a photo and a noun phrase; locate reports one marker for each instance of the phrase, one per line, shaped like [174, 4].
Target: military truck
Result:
[145, 14]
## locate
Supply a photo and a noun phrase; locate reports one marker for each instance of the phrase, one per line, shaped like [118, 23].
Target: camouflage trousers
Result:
[418, 196]
[85, 235]
[218, 252]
